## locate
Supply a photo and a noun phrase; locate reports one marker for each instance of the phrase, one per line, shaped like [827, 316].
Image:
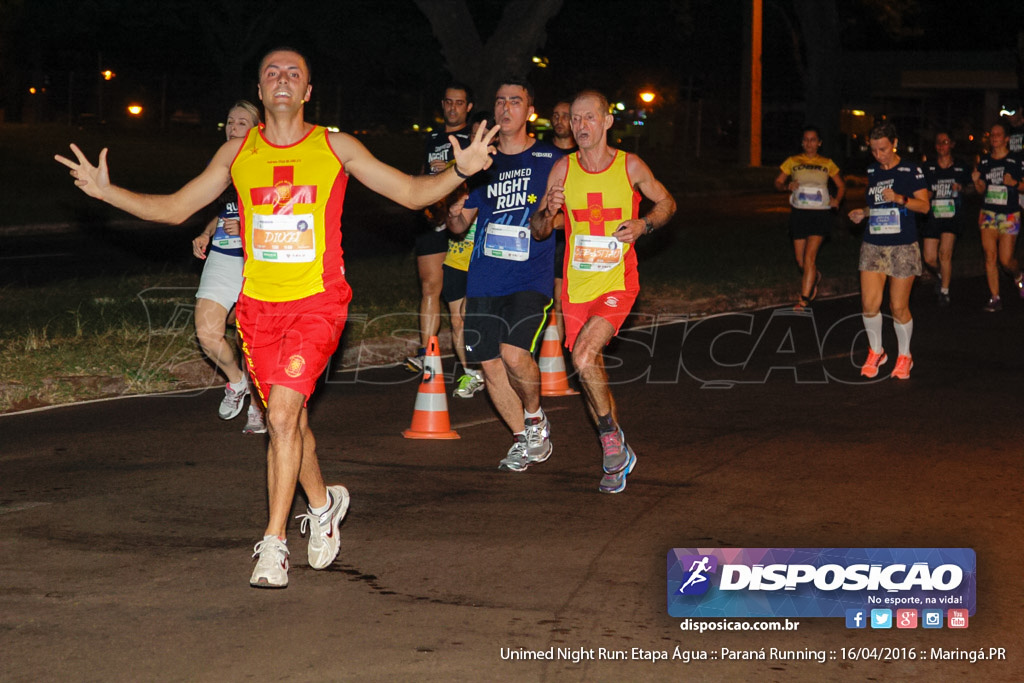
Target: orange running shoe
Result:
[874, 361]
[903, 366]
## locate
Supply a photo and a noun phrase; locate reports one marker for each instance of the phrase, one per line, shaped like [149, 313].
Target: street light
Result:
[106, 75]
[135, 109]
[647, 97]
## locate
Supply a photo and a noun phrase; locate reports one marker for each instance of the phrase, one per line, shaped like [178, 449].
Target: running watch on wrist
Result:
[648, 226]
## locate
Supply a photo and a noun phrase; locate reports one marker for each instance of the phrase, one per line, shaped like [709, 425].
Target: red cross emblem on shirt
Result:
[284, 193]
[596, 214]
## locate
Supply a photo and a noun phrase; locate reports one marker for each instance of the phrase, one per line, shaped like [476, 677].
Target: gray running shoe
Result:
[538, 439]
[616, 483]
[516, 460]
[272, 568]
[943, 298]
[232, 403]
[469, 384]
[616, 451]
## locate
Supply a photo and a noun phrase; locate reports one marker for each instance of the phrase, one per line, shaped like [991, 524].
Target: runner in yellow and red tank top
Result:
[596, 194]
[291, 178]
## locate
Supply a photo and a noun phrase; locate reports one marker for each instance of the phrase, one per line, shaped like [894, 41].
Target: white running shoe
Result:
[324, 541]
[469, 384]
[254, 423]
[272, 568]
[233, 402]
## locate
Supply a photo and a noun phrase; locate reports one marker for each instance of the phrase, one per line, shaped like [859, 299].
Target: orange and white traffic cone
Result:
[553, 380]
[430, 416]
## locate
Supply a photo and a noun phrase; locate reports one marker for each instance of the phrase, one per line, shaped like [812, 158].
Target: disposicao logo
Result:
[817, 582]
[696, 580]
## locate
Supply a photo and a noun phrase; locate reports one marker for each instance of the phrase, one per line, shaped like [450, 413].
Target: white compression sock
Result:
[903, 333]
[873, 326]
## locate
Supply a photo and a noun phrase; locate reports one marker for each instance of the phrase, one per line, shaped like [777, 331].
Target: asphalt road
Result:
[127, 525]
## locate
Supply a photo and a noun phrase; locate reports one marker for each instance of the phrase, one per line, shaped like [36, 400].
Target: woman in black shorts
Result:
[947, 180]
[805, 176]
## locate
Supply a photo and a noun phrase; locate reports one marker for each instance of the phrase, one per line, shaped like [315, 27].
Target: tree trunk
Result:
[819, 24]
[509, 51]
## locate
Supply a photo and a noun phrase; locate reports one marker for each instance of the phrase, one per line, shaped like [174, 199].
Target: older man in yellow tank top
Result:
[595, 194]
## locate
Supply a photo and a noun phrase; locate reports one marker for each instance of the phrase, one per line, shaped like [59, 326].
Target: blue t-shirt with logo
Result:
[999, 197]
[946, 202]
[221, 241]
[888, 223]
[506, 259]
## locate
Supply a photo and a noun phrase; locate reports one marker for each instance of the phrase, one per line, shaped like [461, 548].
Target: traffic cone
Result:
[430, 416]
[553, 380]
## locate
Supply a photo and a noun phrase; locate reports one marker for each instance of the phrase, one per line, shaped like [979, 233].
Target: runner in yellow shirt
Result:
[595, 194]
[805, 176]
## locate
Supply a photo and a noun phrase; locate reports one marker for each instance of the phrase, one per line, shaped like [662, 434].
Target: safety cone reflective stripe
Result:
[430, 415]
[553, 380]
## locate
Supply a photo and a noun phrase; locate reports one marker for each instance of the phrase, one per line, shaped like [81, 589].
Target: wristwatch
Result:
[648, 226]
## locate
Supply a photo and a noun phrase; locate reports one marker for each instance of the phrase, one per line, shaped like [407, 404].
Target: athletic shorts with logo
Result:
[612, 306]
[290, 342]
[517, 319]
[431, 240]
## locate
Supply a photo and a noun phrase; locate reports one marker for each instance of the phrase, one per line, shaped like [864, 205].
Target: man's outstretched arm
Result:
[413, 192]
[169, 208]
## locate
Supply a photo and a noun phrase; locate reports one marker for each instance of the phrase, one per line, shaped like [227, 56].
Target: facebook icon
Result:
[856, 618]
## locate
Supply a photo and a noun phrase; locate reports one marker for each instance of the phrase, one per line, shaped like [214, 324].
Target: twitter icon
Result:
[881, 618]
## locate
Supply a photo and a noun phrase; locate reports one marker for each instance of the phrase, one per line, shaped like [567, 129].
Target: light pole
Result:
[755, 82]
[105, 75]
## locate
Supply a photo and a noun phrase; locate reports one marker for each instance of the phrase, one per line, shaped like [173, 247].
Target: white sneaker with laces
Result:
[272, 568]
[516, 460]
[324, 541]
[538, 439]
[469, 384]
[233, 402]
[254, 423]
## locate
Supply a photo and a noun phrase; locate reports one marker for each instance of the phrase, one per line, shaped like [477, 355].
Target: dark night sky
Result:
[378, 62]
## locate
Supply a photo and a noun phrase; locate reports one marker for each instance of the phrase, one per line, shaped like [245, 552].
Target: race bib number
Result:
[507, 242]
[996, 195]
[884, 221]
[810, 197]
[284, 238]
[595, 254]
[943, 208]
[226, 241]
